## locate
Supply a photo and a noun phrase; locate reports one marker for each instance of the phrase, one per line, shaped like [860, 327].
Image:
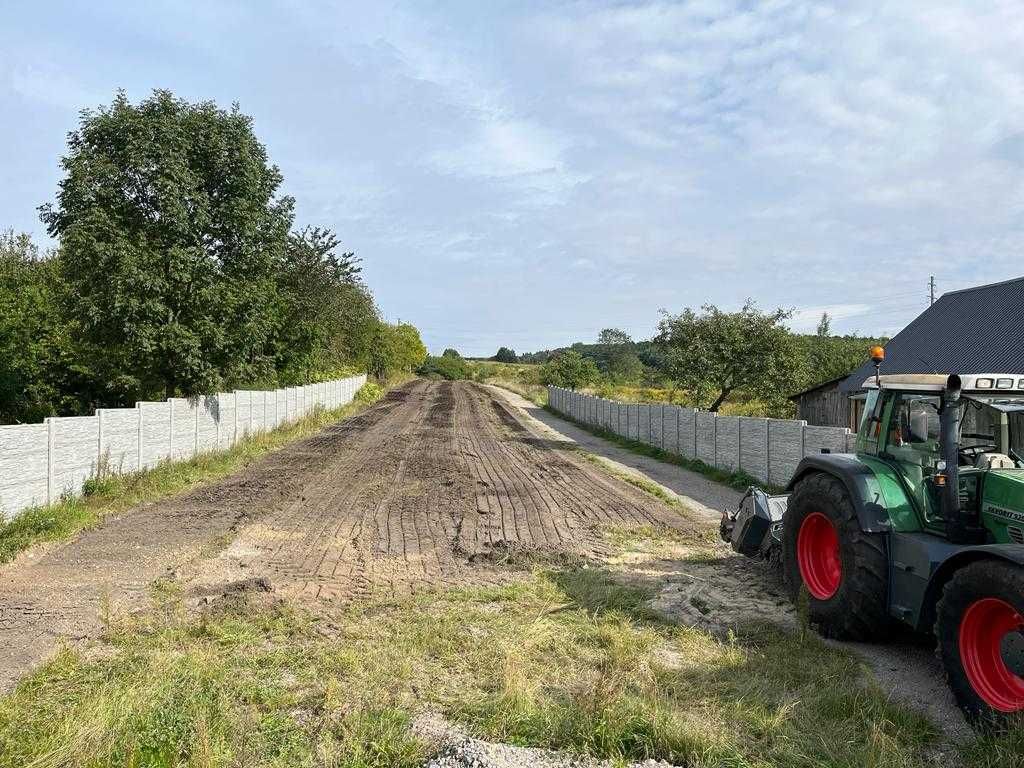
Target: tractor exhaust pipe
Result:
[949, 429]
[962, 525]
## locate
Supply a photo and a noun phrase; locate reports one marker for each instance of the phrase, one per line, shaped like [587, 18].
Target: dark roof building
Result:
[976, 330]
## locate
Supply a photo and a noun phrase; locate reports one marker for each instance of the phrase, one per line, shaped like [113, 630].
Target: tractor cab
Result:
[940, 433]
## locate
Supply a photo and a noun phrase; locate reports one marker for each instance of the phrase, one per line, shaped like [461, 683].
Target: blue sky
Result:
[528, 173]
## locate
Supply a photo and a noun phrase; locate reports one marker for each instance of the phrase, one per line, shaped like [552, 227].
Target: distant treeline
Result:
[710, 358]
[178, 271]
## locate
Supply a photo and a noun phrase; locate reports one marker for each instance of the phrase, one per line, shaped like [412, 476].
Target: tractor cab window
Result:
[992, 432]
[912, 440]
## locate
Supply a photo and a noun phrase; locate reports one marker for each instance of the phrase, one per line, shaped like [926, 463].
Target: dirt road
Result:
[437, 484]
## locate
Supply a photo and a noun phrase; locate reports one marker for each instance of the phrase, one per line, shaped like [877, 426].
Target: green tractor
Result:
[923, 527]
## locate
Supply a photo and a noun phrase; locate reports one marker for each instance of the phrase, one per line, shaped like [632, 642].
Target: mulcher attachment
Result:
[755, 529]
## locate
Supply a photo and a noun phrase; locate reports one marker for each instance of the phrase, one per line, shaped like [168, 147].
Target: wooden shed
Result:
[825, 405]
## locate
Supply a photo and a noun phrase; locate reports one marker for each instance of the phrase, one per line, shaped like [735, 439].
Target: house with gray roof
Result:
[974, 330]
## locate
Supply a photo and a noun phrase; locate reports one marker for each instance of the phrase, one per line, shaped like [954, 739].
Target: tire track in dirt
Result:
[440, 483]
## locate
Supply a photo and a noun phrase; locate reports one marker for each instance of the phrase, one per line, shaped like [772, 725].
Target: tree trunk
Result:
[721, 399]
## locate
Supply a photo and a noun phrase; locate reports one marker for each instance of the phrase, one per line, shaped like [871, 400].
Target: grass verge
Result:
[116, 493]
[565, 659]
[738, 480]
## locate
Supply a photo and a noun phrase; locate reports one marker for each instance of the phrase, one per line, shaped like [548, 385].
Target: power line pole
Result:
[931, 289]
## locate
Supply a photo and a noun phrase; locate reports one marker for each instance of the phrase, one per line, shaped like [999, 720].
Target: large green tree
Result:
[171, 231]
[395, 349]
[326, 313]
[714, 354]
[505, 355]
[570, 369]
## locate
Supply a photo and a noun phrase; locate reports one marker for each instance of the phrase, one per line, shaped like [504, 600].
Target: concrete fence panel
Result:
[74, 453]
[154, 433]
[706, 448]
[785, 449]
[183, 428]
[727, 443]
[768, 450]
[243, 413]
[643, 420]
[41, 462]
[226, 425]
[657, 426]
[851, 442]
[24, 467]
[670, 427]
[830, 439]
[688, 433]
[754, 447]
[293, 404]
[269, 406]
[207, 424]
[118, 439]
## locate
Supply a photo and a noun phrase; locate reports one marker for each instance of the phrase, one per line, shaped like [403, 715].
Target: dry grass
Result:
[568, 659]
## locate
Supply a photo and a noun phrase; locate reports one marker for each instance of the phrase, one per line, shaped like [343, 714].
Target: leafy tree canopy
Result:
[451, 353]
[325, 313]
[613, 336]
[171, 232]
[625, 368]
[396, 349]
[505, 355]
[714, 354]
[570, 370]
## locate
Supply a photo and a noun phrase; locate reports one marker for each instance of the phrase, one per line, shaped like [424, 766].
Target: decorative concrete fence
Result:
[40, 463]
[766, 449]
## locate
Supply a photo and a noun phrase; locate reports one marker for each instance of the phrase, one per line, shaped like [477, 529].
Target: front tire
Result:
[844, 570]
[980, 629]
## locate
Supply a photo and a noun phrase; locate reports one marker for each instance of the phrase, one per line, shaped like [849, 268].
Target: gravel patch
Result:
[456, 749]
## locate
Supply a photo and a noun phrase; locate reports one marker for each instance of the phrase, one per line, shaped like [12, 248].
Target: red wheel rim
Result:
[817, 553]
[984, 628]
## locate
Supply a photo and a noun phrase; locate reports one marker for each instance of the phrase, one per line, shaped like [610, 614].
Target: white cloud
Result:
[504, 148]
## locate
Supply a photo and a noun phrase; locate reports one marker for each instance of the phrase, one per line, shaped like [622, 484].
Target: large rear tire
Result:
[980, 629]
[844, 570]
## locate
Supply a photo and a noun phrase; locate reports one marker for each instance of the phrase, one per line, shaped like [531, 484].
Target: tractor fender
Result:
[860, 483]
[943, 571]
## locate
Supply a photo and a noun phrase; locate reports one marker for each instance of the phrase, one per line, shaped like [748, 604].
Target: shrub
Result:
[369, 393]
[445, 367]
[570, 369]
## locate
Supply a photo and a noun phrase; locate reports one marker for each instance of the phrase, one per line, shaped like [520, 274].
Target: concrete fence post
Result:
[141, 412]
[49, 461]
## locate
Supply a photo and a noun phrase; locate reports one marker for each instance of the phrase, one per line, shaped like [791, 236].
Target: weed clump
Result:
[369, 393]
